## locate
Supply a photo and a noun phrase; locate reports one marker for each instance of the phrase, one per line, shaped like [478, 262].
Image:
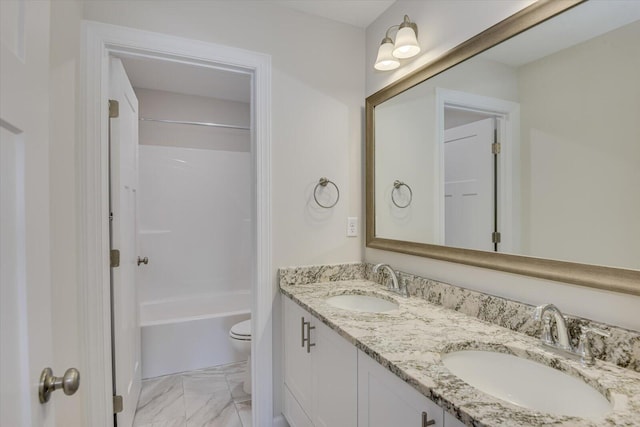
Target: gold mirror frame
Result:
[599, 277]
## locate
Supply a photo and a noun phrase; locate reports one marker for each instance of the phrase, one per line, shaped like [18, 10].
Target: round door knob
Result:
[69, 383]
[144, 260]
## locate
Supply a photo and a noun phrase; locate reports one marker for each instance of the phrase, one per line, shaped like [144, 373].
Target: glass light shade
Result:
[385, 60]
[406, 43]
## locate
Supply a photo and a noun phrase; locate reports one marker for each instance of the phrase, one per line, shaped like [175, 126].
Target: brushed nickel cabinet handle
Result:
[309, 344]
[425, 420]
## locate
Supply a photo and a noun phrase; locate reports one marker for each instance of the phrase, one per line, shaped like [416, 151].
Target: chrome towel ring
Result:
[396, 187]
[323, 183]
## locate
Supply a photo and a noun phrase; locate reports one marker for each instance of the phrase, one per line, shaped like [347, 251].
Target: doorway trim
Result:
[507, 114]
[99, 41]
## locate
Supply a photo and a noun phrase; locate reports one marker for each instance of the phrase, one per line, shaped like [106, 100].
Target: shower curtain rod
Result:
[182, 122]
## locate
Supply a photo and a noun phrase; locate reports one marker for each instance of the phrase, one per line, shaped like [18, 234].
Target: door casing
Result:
[99, 42]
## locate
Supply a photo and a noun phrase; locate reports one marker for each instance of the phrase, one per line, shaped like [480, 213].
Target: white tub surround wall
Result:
[450, 23]
[186, 334]
[409, 342]
[195, 222]
[622, 348]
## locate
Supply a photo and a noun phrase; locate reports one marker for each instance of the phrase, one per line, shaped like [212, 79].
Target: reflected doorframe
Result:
[507, 115]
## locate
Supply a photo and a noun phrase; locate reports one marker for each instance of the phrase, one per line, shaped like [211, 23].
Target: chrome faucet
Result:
[563, 342]
[393, 278]
[561, 326]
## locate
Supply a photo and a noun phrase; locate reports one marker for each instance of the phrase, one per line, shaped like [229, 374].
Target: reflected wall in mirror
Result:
[530, 148]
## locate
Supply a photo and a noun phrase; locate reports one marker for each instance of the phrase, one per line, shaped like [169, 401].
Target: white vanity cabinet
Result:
[320, 372]
[451, 421]
[385, 400]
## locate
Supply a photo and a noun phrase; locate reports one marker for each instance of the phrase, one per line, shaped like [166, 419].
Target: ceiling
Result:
[187, 79]
[359, 13]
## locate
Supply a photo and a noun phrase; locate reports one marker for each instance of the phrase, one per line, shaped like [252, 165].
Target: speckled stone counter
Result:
[409, 342]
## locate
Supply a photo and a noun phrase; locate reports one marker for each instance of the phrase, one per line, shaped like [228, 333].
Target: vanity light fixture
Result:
[405, 45]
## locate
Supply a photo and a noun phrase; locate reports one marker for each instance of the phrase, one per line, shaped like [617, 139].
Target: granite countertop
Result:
[409, 341]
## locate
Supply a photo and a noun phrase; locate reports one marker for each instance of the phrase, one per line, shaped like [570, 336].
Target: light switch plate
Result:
[352, 226]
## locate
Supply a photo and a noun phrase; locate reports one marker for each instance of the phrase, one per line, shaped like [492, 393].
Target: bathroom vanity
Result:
[345, 367]
[336, 384]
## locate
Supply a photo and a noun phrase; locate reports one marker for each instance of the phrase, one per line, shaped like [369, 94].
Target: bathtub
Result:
[190, 333]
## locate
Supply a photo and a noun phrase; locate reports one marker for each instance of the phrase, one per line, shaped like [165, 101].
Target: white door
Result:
[25, 289]
[123, 192]
[469, 186]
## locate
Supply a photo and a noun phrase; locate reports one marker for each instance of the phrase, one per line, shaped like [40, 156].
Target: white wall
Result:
[317, 115]
[588, 172]
[318, 94]
[443, 25]
[158, 104]
[65, 50]
[404, 128]
[406, 148]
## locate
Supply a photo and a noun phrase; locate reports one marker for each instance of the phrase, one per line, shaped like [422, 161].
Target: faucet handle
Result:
[584, 330]
[584, 345]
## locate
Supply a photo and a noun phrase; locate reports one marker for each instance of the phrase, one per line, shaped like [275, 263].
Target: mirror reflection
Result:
[530, 148]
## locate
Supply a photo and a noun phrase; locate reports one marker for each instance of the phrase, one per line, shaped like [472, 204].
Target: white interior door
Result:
[25, 289]
[469, 188]
[124, 231]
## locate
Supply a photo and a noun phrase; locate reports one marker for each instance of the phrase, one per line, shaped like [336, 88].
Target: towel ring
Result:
[323, 183]
[396, 186]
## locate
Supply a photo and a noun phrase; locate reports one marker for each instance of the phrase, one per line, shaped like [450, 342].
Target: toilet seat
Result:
[241, 331]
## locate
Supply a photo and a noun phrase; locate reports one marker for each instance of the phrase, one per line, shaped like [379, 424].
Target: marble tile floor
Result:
[211, 397]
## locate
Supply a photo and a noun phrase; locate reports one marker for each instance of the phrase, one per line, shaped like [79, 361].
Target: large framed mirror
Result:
[519, 150]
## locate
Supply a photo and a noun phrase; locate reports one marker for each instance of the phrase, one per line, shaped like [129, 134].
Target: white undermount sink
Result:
[527, 384]
[362, 303]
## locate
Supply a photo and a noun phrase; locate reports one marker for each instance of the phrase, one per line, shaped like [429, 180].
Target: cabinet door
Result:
[385, 400]
[293, 412]
[451, 421]
[297, 362]
[335, 379]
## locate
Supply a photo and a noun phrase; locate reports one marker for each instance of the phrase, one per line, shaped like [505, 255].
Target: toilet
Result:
[240, 336]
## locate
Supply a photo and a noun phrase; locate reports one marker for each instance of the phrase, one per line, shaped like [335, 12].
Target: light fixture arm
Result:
[387, 37]
[407, 23]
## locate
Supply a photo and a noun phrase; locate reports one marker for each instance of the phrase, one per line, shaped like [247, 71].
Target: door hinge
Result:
[117, 404]
[114, 109]
[495, 148]
[115, 258]
[495, 237]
